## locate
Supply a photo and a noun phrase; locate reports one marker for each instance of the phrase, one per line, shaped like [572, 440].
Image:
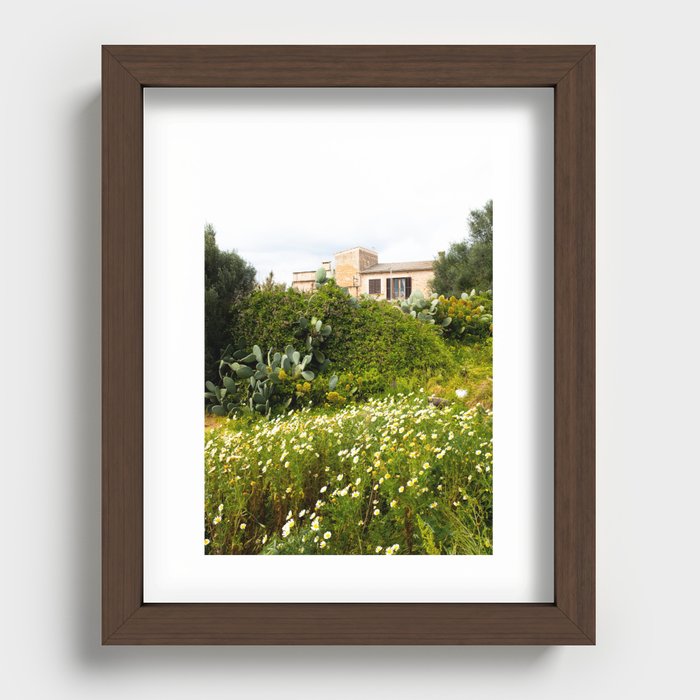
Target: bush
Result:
[268, 318]
[471, 316]
[466, 318]
[370, 339]
[261, 381]
[348, 387]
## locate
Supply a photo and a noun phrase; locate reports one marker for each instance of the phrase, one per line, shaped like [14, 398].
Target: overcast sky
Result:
[288, 178]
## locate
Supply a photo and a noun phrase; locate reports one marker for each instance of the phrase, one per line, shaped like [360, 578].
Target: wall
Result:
[306, 281]
[303, 284]
[348, 265]
[420, 280]
[648, 477]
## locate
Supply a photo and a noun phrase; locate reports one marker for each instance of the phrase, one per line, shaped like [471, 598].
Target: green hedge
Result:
[369, 338]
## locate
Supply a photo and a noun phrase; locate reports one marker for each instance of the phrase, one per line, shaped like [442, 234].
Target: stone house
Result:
[360, 272]
[305, 281]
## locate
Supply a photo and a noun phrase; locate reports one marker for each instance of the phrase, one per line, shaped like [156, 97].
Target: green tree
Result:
[269, 284]
[227, 279]
[481, 224]
[468, 264]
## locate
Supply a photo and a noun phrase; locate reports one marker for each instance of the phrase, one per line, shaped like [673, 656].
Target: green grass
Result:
[475, 374]
[394, 474]
[471, 371]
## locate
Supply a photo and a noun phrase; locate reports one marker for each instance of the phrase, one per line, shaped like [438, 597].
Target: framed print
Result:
[348, 320]
[377, 435]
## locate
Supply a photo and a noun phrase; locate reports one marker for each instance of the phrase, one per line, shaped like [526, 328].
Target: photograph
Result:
[348, 371]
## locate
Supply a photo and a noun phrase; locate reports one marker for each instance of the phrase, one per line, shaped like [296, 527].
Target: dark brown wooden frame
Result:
[126, 70]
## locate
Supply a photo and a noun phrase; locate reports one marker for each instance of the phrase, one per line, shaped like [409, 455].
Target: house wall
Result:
[305, 281]
[420, 279]
[349, 264]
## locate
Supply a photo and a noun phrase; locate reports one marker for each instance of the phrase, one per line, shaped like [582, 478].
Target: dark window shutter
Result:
[408, 287]
[375, 286]
[388, 287]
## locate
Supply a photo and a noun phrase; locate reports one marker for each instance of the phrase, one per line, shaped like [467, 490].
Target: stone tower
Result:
[348, 265]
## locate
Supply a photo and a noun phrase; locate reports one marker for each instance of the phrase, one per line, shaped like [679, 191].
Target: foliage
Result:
[419, 307]
[321, 276]
[227, 279]
[468, 264]
[269, 284]
[481, 224]
[473, 379]
[367, 334]
[396, 475]
[269, 318]
[468, 317]
[258, 383]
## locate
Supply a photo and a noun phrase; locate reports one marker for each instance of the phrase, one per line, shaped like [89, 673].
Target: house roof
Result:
[399, 267]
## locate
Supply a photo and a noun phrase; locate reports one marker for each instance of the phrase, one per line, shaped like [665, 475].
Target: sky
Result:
[288, 178]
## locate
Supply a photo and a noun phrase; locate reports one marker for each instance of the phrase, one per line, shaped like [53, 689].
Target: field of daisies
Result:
[393, 475]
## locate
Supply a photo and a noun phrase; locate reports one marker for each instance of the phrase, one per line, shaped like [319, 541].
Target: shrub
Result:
[258, 381]
[368, 335]
[419, 307]
[471, 316]
[268, 318]
[465, 318]
[348, 386]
